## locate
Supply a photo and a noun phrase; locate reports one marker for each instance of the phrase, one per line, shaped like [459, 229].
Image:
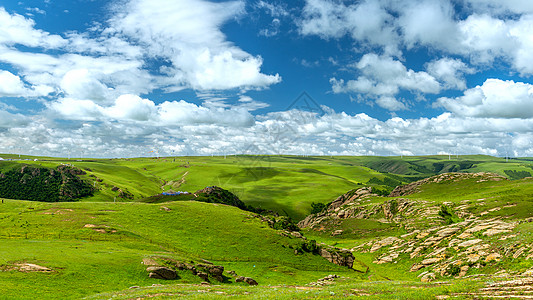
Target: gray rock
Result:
[161, 273]
[250, 281]
[203, 275]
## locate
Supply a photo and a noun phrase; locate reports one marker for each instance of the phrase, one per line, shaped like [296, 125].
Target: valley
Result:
[413, 227]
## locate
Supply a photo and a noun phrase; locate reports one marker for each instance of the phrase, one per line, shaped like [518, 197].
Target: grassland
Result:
[286, 184]
[95, 246]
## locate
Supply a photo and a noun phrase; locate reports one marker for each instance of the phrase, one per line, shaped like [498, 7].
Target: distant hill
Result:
[281, 183]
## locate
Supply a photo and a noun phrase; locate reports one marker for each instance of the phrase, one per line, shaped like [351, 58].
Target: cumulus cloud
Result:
[494, 99]
[427, 23]
[82, 84]
[9, 120]
[491, 30]
[17, 29]
[450, 72]
[193, 129]
[367, 21]
[11, 85]
[187, 33]
[132, 108]
[384, 77]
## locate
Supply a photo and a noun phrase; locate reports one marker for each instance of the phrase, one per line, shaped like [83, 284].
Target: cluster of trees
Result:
[43, 184]
[515, 175]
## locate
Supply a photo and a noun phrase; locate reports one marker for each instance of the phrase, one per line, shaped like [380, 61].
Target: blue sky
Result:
[183, 77]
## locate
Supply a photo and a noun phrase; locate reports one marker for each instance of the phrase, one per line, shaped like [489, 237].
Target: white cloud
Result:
[184, 113]
[501, 7]
[494, 99]
[428, 23]
[188, 34]
[82, 84]
[11, 85]
[179, 128]
[9, 120]
[486, 34]
[132, 107]
[75, 109]
[384, 77]
[450, 71]
[367, 21]
[390, 103]
[274, 9]
[17, 29]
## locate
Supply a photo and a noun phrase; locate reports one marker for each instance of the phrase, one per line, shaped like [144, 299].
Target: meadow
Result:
[95, 246]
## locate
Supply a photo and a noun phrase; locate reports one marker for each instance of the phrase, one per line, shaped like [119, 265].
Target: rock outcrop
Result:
[448, 250]
[339, 257]
[159, 272]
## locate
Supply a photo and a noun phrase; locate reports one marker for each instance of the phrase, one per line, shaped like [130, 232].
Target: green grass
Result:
[89, 262]
[286, 184]
[103, 265]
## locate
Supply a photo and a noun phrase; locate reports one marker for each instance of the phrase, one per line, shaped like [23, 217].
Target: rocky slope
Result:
[440, 239]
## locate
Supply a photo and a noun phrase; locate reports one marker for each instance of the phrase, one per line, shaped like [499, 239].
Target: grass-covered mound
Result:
[27, 182]
[99, 247]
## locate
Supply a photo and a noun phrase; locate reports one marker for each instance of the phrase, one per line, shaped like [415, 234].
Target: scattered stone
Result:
[250, 281]
[463, 270]
[428, 277]
[165, 208]
[203, 275]
[161, 273]
[469, 243]
[296, 234]
[519, 252]
[25, 267]
[465, 235]
[446, 232]
[384, 242]
[337, 232]
[493, 257]
[339, 257]
[134, 287]
[430, 261]
[416, 267]
[492, 232]
[150, 262]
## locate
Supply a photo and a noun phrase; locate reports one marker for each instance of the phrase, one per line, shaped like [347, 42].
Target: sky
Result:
[130, 78]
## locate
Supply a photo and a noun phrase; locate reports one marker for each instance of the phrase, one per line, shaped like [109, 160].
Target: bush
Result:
[317, 207]
[515, 175]
[448, 215]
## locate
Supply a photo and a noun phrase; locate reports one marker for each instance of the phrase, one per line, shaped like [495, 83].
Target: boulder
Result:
[446, 232]
[161, 273]
[343, 258]
[250, 281]
[215, 271]
[203, 275]
[469, 243]
[430, 261]
[428, 277]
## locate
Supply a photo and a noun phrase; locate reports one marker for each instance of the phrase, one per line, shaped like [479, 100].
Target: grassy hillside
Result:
[99, 247]
[96, 247]
[286, 184]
